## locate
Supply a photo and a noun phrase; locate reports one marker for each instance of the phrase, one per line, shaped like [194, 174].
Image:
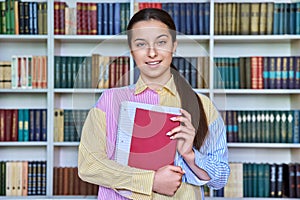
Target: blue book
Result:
[291, 72]
[31, 125]
[35, 17]
[272, 72]
[276, 18]
[286, 15]
[111, 18]
[182, 14]
[100, 18]
[176, 14]
[291, 18]
[30, 17]
[206, 18]
[195, 18]
[105, 19]
[117, 19]
[21, 125]
[278, 69]
[201, 19]
[281, 19]
[188, 18]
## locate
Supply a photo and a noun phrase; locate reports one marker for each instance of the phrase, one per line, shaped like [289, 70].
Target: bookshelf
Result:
[64, 154]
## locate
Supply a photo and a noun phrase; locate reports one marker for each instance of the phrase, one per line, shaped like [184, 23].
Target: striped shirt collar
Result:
[170, 86]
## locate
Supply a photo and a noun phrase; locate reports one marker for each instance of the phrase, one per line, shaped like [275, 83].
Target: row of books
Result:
[91, 18]
[266, 18]
[266, 126]
[67, 182]
[22, 125]
[257, 72]
[23, 17]
[23, 178]
[189, 18]
[262, 180]
[68, 124]
[194, 69]
[94, 71]
[24, 72]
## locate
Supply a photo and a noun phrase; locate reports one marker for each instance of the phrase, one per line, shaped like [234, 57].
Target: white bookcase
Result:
[65, 153]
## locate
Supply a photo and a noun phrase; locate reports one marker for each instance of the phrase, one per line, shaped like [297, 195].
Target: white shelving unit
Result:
[65, 153]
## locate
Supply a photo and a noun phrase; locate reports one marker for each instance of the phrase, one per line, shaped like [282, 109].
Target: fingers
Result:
[176, 169]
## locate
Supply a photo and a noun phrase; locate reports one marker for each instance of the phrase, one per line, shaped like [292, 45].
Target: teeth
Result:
[153, 63]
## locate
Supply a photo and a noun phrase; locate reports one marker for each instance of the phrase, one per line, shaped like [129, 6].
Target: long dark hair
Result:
[189, 99]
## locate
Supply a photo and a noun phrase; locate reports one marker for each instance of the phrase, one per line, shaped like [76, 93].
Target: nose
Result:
[152, 52]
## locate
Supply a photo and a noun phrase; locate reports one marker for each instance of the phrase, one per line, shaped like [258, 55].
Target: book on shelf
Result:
[265, 126]
[67, 182]
[141, 137]
[261, 180]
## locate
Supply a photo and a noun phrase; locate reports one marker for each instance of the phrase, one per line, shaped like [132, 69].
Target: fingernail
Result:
[172, 137]
[173, 118]
[168, 133]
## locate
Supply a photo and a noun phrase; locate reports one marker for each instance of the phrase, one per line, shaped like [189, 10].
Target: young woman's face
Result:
[152, 49]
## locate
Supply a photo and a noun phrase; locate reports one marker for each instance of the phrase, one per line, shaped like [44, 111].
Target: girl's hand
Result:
[167, 180]
[184, 134]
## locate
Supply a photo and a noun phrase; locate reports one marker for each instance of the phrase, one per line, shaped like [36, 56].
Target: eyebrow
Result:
[162, 35]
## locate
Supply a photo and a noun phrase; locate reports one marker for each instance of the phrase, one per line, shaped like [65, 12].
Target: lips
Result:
[156, 62]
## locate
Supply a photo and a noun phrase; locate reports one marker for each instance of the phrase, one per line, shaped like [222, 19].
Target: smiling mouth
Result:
[153, 62]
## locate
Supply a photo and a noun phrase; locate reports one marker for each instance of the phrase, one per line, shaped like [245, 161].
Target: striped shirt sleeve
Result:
[95, 167]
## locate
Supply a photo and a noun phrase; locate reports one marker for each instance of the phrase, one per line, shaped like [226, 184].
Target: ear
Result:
[174, 46]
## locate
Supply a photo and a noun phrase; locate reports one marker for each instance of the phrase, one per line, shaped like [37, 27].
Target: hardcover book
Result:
[142, 141]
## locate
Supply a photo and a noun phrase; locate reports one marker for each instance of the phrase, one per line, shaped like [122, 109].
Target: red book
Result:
[8, 125]
[142, 141]
[14, 125]
[2, 125]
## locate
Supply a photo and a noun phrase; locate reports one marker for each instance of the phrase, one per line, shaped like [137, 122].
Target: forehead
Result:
[149, 29]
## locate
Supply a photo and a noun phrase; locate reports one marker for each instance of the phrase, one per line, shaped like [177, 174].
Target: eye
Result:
[161, 42]
[140, 44]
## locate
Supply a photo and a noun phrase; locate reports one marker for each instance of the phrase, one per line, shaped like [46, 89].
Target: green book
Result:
[7, 17]
[277, 132]
[67, 125]
[283, 126]
[21, 125]
[258, 126]
[272, 127]
[253, 122]
[45, 16]
[254, 177]
[12, 16]
[69, 71]
[26, 125]
[260, 180]
[3, 178]
[57, 73]
[266, 180]
[245, 179]
[290, 126]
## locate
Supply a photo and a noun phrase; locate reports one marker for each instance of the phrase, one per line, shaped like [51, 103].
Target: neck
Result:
[158, 83]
